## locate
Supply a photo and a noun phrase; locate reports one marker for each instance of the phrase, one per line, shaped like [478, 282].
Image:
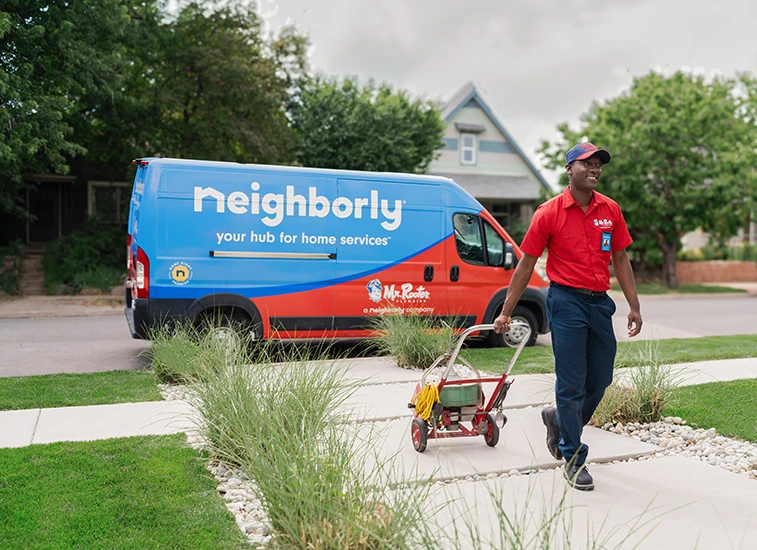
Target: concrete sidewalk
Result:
[675, 502]
[35, 307]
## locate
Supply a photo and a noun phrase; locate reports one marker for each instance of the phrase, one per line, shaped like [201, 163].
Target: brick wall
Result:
[718, 271]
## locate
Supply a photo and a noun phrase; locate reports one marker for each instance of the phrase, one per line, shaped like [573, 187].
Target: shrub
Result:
[11, 256]
[413, 340]
[641, 393]
[690, 255]
[92, 254]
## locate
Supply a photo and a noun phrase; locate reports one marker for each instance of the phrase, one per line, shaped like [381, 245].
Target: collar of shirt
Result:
[567, 200]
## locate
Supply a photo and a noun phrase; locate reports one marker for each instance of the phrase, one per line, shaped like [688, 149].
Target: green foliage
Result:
[642, 393]
[682, 158]
[93, 254]
[414, 341]
[52, 52]
[91, 85]
[135, 492]
[218, 88]
[10, 263]
[182, 353]
[739, 253]
[348, 126]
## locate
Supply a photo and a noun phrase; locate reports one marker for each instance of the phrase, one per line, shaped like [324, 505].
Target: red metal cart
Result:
[450, 394]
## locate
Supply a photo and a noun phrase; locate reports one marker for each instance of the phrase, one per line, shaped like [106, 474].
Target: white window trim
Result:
[472, 149]
[121, 196]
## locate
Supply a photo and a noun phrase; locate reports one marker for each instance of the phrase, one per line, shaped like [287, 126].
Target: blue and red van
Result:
[312, 253]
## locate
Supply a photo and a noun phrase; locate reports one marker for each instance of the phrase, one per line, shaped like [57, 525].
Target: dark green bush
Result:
[92, 256]
[10, 263]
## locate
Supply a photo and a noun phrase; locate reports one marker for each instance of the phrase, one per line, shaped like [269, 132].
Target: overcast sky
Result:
[537, 62]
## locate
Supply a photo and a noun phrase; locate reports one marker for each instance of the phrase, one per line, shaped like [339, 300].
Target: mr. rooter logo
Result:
[404, 293]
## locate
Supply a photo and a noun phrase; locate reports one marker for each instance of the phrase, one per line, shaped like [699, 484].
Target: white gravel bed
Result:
[675, 437]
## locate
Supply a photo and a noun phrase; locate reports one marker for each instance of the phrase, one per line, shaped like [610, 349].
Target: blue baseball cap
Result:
[583, 151]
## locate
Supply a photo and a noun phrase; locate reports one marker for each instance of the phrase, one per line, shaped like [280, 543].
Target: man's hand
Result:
[502, 324]
[634, 323]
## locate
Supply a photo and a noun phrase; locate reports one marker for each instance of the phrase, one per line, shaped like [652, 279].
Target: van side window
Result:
[478, 243]
[495, 246]
[468, 238]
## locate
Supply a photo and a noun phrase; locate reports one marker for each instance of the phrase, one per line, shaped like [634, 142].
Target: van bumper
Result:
[145, 314]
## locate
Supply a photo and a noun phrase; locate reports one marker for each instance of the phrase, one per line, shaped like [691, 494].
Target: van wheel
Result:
[227, 328]
[514, 337]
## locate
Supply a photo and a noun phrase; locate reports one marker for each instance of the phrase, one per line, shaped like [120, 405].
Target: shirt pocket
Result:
[570, 247]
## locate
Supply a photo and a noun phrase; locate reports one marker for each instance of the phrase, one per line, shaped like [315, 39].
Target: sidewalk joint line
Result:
[36, 423]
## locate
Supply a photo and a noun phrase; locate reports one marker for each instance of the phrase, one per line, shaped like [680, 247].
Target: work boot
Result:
[578, 477]
[549, 417]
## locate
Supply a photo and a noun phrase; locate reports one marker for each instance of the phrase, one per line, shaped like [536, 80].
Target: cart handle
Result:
[476, 328]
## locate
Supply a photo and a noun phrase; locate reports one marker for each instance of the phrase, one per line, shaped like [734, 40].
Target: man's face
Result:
[584, 174]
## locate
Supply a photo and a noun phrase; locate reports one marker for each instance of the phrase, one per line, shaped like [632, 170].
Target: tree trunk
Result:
[669, 250]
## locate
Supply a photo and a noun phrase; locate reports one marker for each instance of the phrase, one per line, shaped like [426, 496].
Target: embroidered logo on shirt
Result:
[605, 224]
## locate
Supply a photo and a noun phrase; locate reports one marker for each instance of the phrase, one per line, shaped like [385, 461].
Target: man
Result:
[582, 231]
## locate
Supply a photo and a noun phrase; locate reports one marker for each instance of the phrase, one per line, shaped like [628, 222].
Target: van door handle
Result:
[454, 273]
[428, 273]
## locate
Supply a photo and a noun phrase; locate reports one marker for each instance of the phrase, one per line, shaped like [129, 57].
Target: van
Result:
[295, 252]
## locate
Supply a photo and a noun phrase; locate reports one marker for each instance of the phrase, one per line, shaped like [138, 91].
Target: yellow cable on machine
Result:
[425, 399]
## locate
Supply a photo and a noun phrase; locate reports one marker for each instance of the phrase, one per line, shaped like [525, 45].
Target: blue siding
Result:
[450, 144]
[495, 147]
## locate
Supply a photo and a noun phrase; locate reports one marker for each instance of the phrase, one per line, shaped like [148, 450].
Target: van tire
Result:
[236, 320]
[520, 313]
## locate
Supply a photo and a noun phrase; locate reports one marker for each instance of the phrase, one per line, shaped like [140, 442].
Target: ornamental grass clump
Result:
[284, 426]
[641, 393]
[180, 352]
[413, 340]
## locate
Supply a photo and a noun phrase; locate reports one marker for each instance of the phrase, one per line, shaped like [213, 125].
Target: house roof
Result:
[469, 93]
[494, 187]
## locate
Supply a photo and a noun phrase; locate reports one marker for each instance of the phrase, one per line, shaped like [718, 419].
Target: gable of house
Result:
[481, 155]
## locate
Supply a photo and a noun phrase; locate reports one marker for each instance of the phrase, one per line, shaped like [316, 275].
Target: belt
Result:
[585, 291]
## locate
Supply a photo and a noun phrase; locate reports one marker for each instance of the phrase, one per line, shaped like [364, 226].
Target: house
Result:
[481, 155]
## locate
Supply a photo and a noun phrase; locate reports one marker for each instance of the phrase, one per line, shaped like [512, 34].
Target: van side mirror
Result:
[511, 260]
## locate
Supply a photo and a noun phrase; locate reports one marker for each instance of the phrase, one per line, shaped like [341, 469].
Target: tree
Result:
[204, 83]
[683, 155]
[50, 52]
[344, 125]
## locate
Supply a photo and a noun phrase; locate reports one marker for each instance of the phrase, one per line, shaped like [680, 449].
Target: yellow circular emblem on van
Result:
[181, 273]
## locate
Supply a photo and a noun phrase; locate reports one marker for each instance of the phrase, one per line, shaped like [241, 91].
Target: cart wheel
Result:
[492, 432]
[419, 433]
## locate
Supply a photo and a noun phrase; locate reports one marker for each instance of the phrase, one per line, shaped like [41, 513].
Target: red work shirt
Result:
[579, 245]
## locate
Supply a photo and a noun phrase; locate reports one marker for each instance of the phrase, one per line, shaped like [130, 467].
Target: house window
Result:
[467, 148]
[109, 200]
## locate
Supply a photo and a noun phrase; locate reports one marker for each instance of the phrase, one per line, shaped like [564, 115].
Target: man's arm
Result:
[518, 284]
[624, 273]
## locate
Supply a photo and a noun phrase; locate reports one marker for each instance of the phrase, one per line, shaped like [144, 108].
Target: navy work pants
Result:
[584, 345]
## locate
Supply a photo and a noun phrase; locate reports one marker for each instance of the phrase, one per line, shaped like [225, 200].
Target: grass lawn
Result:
[630, 354]
[139, 492]
[729, 407]
[659, 288]
[66, 390]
